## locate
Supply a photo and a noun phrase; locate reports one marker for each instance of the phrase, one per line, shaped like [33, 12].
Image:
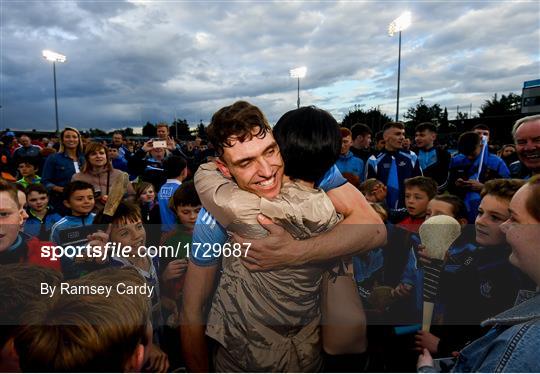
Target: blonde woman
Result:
[60, 167]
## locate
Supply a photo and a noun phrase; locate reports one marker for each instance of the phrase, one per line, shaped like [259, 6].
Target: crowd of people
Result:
[260, 224]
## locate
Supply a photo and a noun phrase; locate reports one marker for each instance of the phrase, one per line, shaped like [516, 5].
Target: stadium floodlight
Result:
[54, 57]
[398, 25]
[298, 73]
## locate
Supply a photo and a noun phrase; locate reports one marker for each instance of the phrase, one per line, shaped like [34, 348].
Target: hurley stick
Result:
[437, 235]
[116, 193]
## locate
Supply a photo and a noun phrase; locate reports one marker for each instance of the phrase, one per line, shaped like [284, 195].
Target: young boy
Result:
[186, 204]
[418, 192]
[126, 229]
[28, 168]
[88, 332]
[73, 229]
[41, 217]
[413, 276]
[176, 171]
[79, 197]
[16, 246]
[118, 162]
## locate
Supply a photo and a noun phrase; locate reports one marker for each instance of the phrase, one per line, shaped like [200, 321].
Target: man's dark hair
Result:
[360, 129]
[173, 166]
[379, 136]
[309, 140]
[467, 143]
[425, 126]
[240, 120]
[480, 126]
[76, 186]
[186, 194]
[393, 125]
[118, 133]
[115, 146]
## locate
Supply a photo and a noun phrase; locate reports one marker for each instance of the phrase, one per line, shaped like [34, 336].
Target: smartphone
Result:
[159, 144]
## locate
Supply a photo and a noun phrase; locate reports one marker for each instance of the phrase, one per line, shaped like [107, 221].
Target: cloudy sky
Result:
[137, 61]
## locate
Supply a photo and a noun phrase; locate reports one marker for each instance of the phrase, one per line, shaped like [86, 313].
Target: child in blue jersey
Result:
[176, 171]
[41, 216]
[127, 230]
[73, 228]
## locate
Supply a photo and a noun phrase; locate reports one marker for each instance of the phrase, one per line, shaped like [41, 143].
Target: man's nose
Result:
[265, 169]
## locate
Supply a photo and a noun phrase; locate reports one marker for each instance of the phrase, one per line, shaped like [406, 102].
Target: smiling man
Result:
[251, 157]
[526, 134]
[392, 165]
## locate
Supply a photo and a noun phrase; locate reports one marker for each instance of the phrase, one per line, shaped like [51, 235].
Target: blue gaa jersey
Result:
[168, 218]
[208, 230]
[392, 168]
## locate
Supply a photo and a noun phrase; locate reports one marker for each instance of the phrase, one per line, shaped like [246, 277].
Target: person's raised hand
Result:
[275, 251]
[171, 144]
[423, 255]
[175, 269]
[147, 146]
[402, 290]
[96, 240]
[157, 361]
[426, 340]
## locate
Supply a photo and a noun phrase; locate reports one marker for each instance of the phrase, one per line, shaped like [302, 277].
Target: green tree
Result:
[183, 129]
[149, 130]
[96, 133]
[507, 104]
[423, 112]
[373, 117]
[201, 131]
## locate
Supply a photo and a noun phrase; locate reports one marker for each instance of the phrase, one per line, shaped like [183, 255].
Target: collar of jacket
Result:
[525, 311]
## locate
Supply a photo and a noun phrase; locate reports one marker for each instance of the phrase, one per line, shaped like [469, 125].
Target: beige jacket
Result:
[266, 321]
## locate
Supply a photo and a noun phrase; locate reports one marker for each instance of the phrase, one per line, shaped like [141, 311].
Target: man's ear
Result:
[463, 222]
[223, 168]
[135, 361]
[66, 204]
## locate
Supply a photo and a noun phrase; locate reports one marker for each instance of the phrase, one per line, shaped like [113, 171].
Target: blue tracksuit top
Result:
[349, 163]
[168, 217]
[407, 167]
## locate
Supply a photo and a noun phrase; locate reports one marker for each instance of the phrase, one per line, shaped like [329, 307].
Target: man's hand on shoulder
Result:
[277, 250]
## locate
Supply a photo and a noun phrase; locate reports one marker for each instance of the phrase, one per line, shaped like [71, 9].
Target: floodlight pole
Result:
[398, 77]
[55, 99]
[298, 101]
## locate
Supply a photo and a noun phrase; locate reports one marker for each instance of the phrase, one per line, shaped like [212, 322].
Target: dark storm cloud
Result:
[129, 63]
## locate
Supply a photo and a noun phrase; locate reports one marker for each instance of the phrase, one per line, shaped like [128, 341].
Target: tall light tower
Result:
[298, 73]
[54, 57]
[398, 25]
